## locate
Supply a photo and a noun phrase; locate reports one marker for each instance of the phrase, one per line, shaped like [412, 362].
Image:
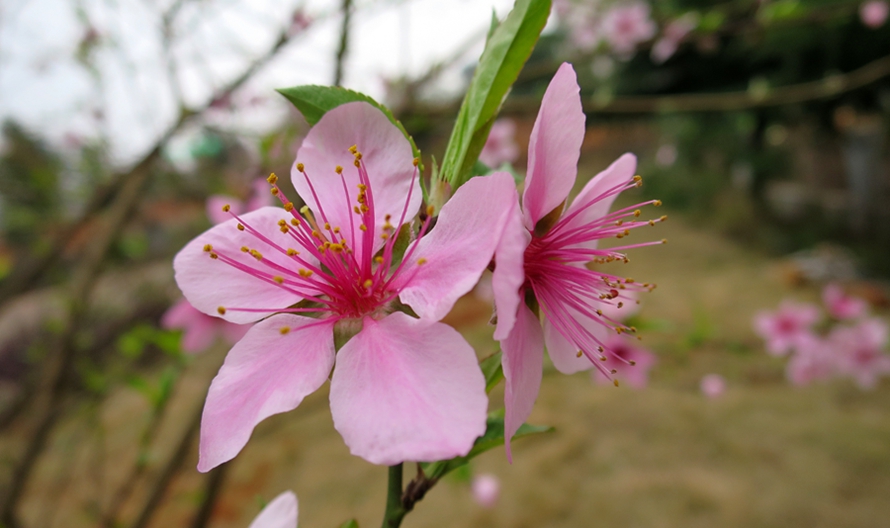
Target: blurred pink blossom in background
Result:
[860, 352]
[784, 328]
[631, 363]
[500, 147]
[260, 197]
[842, 306]
[199, 330]
[713, 385]
[627, 24]
[486, 489]
[674, 33]
[812, 360]
[874, 13]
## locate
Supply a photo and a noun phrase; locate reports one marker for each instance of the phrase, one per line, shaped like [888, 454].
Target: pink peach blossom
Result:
[403, 388]
[860, 351]
[784, 328]
[674, 33]
[543, 254]
[630, 363]
[713, 386]
[486, 490]
[280, 513]
[500, 147]
[842, 306]
[874, 13]
[199, 330]
[627, 24]
[812, 361]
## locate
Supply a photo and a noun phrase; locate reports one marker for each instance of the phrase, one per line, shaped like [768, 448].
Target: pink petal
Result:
[385, 152]
[405, 389]
[563, 353]
[460, 247]
[199, 336]
[280, 513]
[509, 272]
[210, 283]
[593, 202]
[180, 315]
[554, 147]
[270, 371]
[523, 363]
[215, 204]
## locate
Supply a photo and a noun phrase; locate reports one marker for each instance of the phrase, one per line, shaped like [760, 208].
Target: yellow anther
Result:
[300, 167]
[619, 223]
[357, 163]
[416, 162]
[358, 155]
[629, 280]
[387, 217]
[638, 178]
[336, 230]
[226, 208]
[599, 312]
[278, 279]
[362, 187]
[282, 222]
[214, 255]
[256, 254]
[664, 241]
[294, 222]
[637, 213]
[663, 218]
[208, 248]
[615, 381]
[245, 249]
[632, 363]
[356, 209]
[384, 236]
[363, 227]
[621, 305]
[291, 252]
[657, 203]
[613, 371]
[353, 149]
[338, 169]
[305, 273]
[284, 229]
[378, 259]
[274, 191]
[285, 330]
[337, 248]
[421, 261]
[651, 222]
[221, 310]
[327, 245]
[368, 283]
[289, 206]
[579, 354]
[327, 226]
[240, 227]
[600, 349]
[365, 208]
[272, 179]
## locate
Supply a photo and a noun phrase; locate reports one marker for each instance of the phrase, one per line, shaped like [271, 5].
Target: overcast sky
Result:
[43, 86]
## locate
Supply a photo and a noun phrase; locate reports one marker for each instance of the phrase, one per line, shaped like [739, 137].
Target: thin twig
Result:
[346, 9]
[215, 481]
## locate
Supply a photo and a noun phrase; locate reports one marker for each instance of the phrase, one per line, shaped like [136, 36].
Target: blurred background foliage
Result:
[761, 123]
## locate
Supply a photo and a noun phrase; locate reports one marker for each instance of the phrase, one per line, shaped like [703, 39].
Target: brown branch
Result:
[346, 9]
[215, 481]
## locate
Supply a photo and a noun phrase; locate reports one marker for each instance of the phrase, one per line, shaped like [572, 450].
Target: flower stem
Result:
[395, 512]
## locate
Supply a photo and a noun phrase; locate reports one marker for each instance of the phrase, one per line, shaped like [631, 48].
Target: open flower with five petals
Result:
[404, 387]
[541, 260]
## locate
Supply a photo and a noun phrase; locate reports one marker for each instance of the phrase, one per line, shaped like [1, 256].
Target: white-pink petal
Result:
[509, 271]
[523, 355]
[210, 283]
[554, 147]
[460, 247]
[280, 513]
[562, 352]
[386, 154]
[405, 389]
[280, 361]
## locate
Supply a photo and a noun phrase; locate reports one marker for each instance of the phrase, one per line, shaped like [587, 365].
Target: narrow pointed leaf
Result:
[508, 47]
[491, 368]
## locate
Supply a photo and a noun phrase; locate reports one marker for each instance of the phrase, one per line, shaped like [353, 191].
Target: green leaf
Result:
[493, 437]
[508, 47]
[351, 523]
[491, 368]
[314, 101]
